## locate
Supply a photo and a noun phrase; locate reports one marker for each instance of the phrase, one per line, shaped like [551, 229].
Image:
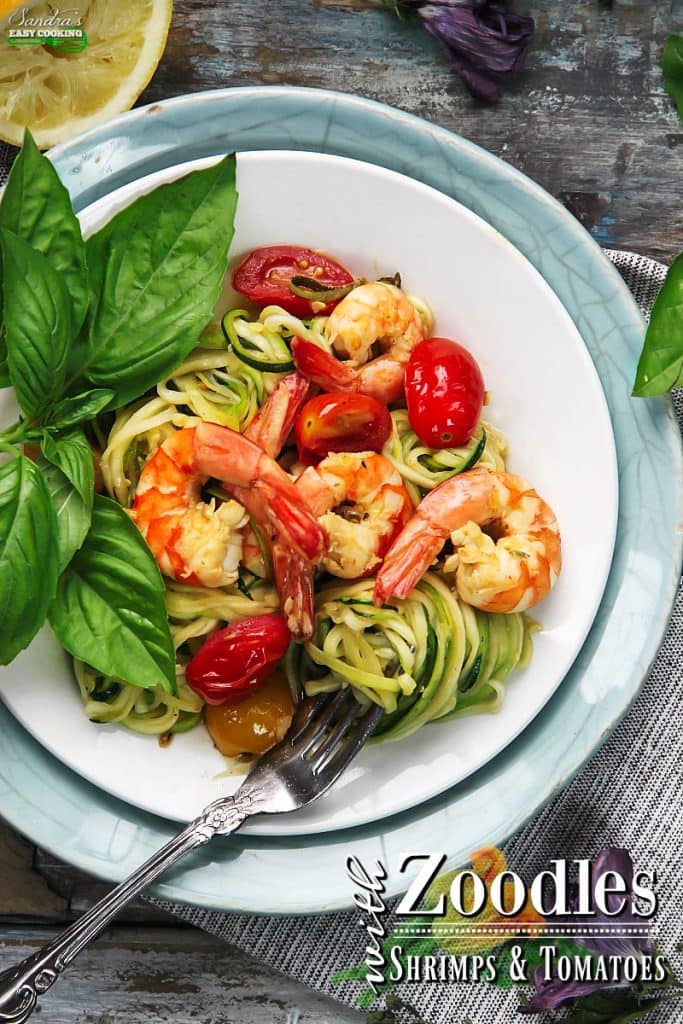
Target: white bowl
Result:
[546, 397]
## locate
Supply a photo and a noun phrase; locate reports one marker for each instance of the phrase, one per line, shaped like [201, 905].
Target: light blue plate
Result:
[95, 832]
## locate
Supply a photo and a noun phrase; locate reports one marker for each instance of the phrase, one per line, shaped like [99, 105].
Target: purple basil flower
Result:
[482, 40]
[551, 994]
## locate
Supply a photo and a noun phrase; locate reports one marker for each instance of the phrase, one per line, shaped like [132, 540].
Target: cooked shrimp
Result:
[372, 314]
[509, 574]
[240, 464]
[193, 541]
[362, 504]
[269, 429]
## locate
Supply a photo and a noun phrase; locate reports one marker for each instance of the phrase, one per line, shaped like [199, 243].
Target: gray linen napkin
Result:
[628, 795]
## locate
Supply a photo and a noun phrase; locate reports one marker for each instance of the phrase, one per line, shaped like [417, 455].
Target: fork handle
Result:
[21, 986]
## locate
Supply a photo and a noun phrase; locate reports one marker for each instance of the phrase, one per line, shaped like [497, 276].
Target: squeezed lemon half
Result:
[60, 90]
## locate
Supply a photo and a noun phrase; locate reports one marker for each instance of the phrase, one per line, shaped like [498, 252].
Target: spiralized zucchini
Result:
[265, 343]
[194, 612]
[422, 468]
[210, 385]
[424, 658]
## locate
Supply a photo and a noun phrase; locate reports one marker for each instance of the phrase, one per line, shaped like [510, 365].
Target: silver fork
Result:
[325, 736]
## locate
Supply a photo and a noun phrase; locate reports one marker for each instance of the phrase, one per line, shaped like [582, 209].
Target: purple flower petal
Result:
[482, 40]
[553, 992]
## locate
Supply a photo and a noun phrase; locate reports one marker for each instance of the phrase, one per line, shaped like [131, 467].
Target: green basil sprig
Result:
[155, 275]
[672, 66]
[109, 609]
[661, 362]
[85, 328]
[28, 555]
[72, 513]
[37, 325]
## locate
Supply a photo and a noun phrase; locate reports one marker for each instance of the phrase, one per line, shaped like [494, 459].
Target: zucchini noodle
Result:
[210, 385]
[194, 612]
[422, 468]
[265, 343]
[424, 658]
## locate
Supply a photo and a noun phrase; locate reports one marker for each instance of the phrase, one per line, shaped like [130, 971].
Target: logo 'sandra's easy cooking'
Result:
[61, 29]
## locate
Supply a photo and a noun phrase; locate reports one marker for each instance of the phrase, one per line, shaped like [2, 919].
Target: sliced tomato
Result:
[237, 661]
[444, 393]
[265, 276]
[342, 422]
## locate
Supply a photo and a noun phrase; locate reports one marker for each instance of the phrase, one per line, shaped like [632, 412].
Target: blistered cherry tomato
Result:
[257, 723]
[341, 422]
[237, 660]
[264, 277]
[444, 393]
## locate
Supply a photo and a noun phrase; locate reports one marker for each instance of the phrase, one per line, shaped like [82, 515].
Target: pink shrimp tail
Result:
[239, 463]
[323, 369]
[273, 423]
[407, 561]
[294, 581]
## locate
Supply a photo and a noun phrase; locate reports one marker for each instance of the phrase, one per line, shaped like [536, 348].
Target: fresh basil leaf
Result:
[109, 610]
[155, 274]
[611, 1008]
[73, 514]
[36, 207]
[661, 362]
[79, 408]
[28, 555]
[672, 66]
[5, 381]
[36, 325]
[71, 453]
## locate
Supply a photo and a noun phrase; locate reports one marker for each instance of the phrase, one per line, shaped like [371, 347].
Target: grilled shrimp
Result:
[362, 504]
[269, 429]
[372, 314]
[193, 541]
[241, 465]
[509, 574]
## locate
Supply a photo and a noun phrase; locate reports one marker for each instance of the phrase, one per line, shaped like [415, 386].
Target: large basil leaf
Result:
[73, 514]
[28, 555]
[36, 324]
[155, 274]
[661, 362]
[672, 66]
[109, 610]
[36, 207]
[5, 381]
[81, 407]
[71, 453]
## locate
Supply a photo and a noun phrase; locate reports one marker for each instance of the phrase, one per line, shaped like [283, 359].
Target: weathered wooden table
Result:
[590, 121]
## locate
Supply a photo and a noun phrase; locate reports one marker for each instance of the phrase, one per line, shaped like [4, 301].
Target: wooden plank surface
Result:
[590, 121]
[588, 118]
[150, 975]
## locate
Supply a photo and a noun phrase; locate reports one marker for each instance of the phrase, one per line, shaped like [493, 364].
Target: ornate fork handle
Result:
[21, 986]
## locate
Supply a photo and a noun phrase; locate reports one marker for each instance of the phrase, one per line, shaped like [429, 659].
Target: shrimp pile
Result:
[376, 314]
[510, 574]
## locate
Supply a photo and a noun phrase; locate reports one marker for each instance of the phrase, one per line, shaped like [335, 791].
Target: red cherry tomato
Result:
[444, 393]
[341, 422]
[238, 660]
[264, 276]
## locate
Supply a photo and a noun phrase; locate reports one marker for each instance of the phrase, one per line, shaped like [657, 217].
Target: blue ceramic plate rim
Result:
[101, 835]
